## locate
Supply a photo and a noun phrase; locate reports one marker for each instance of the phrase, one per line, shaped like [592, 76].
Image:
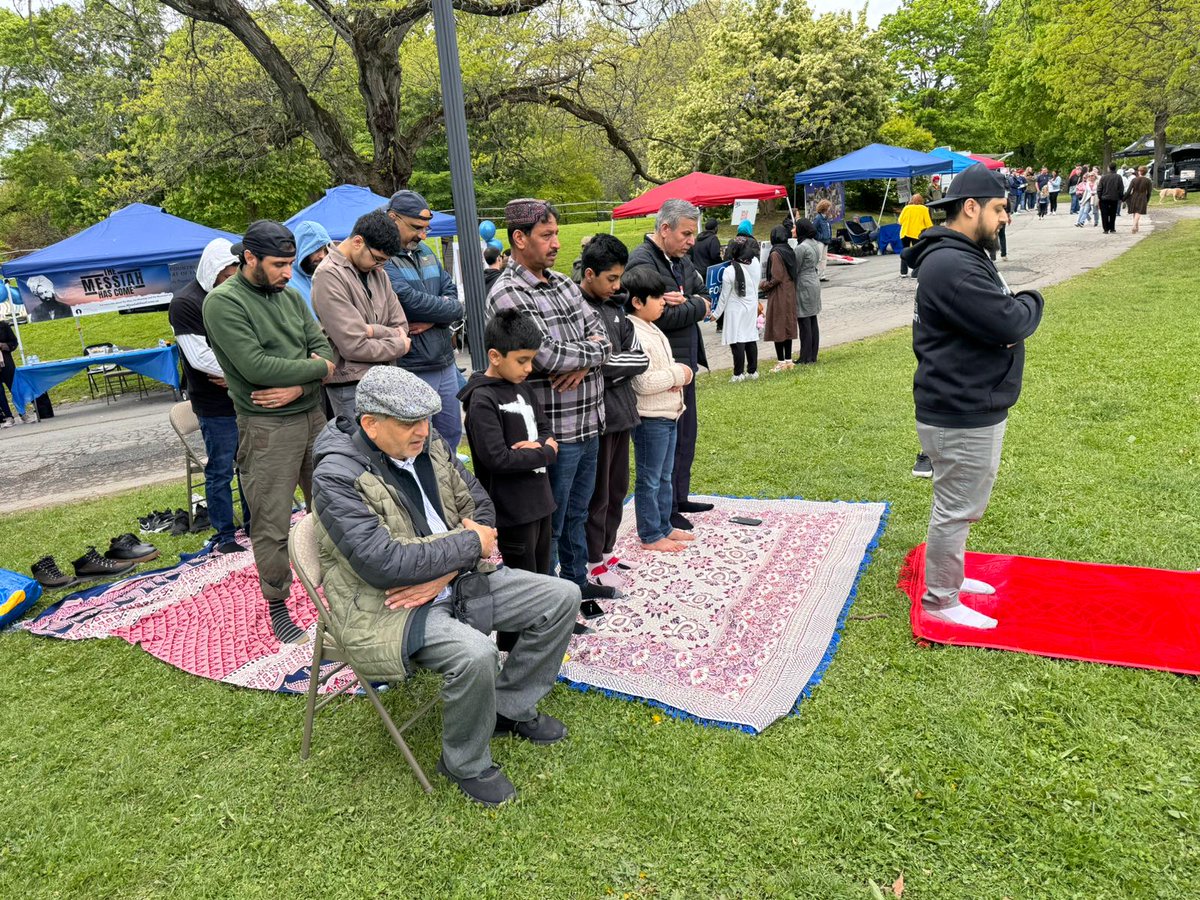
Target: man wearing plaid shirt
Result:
[567, 376]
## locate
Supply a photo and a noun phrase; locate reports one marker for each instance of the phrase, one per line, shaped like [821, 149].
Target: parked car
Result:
[1182, 169]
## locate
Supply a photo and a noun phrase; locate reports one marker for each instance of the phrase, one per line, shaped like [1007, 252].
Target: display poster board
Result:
[904, 189]
[835, 193]
[60, 295]
[744, 211]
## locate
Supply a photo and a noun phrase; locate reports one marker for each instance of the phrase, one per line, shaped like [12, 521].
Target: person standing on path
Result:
[824, 234]
[969, 331]
[779, 284]
[1055, 190]
[808, 292]
[1138, 196]
[1110, 192]
[914, 219]
[274, 357]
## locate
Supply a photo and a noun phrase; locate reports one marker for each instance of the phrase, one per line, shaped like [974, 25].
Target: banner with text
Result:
[103, 289]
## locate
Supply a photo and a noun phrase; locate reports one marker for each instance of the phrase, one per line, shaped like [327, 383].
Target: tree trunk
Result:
[377, 53]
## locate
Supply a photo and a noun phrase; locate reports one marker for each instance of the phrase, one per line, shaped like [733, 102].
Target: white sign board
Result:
[744, 211]
[904, 189]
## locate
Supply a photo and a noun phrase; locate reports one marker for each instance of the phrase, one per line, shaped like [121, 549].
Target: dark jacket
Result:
[1111, 188]
[679, 323]
[373, 535]
[968, 333]
[628, 360]
[706, 252]
[500, 414]
[427, 294]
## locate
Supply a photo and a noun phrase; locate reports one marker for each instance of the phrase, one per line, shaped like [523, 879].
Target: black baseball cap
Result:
[266, 238]
[410, 203]
[975, 183]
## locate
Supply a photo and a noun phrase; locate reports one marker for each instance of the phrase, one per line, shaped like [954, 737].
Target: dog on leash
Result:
[1171, 194]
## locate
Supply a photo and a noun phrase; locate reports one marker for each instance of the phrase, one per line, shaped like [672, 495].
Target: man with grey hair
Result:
[405, 533]
[667, 250]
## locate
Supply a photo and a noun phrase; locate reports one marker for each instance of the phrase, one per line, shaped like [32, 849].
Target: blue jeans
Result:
[1074, 203]
[220, 443]
[448, 422]
[654, 452]
[573, 479]
[1089, 209]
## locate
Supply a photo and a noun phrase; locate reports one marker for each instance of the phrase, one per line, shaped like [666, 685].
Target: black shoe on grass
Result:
[93, 565]
[47, 573]
[491, 787]
[922, 468]
[541, 729]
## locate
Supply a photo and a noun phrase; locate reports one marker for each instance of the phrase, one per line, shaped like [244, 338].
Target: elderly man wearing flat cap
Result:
[405, 532]
[274, 357]
[969, 331]
[431, 304]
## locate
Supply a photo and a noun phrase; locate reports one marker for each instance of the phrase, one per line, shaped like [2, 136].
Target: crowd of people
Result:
[1093, 196]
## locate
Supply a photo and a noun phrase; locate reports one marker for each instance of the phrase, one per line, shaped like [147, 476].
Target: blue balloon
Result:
[487, 229]
[495, 244]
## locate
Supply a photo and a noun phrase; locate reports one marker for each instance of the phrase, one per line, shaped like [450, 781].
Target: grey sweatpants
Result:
[965, 462]
[541, 610]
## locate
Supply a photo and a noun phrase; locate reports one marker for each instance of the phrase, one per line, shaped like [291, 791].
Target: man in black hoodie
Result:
[1110, 192]
[969, 330]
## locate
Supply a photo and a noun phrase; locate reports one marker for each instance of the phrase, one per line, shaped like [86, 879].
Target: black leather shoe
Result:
[491, 787]
[678, 520]
[93, 565]
[127, 547]
[541, 729]
[47, 573]
[230, 547]
[693, 506]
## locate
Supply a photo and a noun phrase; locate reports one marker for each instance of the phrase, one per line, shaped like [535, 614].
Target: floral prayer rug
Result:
[739, 627]
[205, 616]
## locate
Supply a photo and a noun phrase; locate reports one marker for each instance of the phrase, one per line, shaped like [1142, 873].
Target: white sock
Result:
[963, 615]
[974, 586]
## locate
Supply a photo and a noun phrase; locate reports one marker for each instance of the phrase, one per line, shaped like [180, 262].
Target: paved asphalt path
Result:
[95, 449]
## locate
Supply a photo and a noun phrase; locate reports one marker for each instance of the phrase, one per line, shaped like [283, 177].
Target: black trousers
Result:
[783, 350]
[810, 339]
[526, 547]
[906, 242]
[1053, 202]
[608, 498]
[1108, 215]
[685, 447]
[745, 357]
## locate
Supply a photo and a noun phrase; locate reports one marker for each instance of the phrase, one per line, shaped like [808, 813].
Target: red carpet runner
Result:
[1123, 615]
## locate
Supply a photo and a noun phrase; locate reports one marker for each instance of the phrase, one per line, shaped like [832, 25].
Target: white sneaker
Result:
[903, 274]
[7, 423]
[736, 378]
[753, 376]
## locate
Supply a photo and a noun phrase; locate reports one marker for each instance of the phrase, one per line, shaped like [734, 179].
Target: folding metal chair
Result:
[187, 426]
[305, 555]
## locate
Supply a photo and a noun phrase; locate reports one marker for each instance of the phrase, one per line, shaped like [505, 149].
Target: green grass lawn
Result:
[976, 774]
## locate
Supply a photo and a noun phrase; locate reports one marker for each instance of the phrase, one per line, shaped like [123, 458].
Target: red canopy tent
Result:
[700, 189]
[992, 164]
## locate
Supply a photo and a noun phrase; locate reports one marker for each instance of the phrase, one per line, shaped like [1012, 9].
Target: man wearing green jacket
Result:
[274, 357]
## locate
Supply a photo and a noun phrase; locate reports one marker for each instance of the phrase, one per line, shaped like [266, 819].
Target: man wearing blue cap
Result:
[969, 330]
[431, 304]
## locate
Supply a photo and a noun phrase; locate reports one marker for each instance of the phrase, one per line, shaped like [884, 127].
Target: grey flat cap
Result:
[396, 393]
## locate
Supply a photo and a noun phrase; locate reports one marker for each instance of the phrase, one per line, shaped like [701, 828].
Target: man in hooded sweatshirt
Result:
[208, 392]
[312, 246]
[969, 330]
[274, 357]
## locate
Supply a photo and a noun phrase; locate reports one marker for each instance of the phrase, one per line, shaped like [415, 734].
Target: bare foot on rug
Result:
[680, 535]
[664, 545]
[975, 586]
[962, 615]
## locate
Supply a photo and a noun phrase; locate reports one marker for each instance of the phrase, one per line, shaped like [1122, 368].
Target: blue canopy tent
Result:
[341, 206]
[133, 259]
[873, 161]
[954, 162]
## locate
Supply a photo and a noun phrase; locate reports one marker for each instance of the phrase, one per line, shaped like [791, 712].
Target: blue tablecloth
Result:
[159, 363]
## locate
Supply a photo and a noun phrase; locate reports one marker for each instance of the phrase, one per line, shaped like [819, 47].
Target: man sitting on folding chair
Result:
[405, 532]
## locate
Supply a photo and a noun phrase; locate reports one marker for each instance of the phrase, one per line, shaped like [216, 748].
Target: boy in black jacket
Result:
[603, 263]
[511, 443]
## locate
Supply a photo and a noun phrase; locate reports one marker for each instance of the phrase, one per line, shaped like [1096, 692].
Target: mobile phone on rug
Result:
[745, 520]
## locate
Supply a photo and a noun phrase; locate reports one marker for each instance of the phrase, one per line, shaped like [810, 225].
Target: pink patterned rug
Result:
[206, 616]
[738, 628]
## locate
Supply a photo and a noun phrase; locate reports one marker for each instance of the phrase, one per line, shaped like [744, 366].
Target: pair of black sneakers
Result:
[124, 553]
